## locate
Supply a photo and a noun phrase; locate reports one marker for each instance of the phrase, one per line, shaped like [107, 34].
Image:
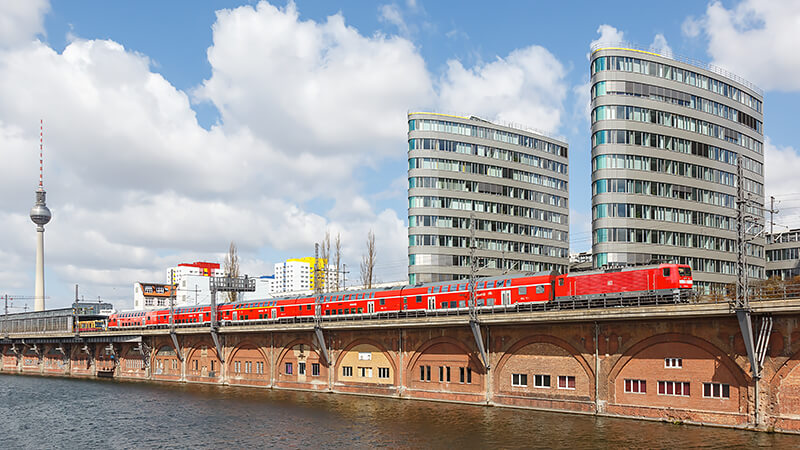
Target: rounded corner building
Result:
[667, 139]
[513, 182]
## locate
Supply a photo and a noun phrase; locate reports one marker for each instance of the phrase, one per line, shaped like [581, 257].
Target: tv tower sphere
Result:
[40, 213]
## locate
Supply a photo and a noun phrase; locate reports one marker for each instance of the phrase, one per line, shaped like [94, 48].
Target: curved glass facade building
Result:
[667, 137]
[514, 182]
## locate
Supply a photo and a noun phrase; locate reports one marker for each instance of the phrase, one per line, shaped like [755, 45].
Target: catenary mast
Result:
[40, 215]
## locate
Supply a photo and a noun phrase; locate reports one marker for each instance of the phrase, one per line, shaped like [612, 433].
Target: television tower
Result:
[40, 215]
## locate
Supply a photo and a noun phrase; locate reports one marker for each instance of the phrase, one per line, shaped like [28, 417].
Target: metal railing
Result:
[683, 59]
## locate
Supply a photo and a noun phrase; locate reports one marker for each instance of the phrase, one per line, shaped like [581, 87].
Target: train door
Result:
[370, 307]
[274, 313]
[234, 315]
[505, 297]
[431, 302]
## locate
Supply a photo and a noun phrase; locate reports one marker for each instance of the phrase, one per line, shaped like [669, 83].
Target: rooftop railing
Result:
[683, 59]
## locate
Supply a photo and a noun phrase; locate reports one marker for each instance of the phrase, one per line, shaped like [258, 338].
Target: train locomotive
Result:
[615, 287]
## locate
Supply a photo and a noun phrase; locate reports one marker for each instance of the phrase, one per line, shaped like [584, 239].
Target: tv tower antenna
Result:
[40, 215]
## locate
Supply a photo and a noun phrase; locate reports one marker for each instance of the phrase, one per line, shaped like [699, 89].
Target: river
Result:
[42, 413]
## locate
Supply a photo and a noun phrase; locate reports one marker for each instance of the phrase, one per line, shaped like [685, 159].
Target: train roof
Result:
[625, 269]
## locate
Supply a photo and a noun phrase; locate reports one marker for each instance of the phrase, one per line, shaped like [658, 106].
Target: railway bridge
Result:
[674, 362]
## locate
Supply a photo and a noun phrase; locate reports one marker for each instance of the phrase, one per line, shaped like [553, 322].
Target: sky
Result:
[174, 128]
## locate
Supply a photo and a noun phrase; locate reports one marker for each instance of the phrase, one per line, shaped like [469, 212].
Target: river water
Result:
[41, 413]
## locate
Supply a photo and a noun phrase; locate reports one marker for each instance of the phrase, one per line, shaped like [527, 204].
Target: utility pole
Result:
[318, 308]
[474, 324]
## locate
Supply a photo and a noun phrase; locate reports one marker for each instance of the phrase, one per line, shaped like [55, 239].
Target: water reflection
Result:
[70, 413]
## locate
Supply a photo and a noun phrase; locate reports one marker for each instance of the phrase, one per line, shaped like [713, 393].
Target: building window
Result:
[248, 367]
[301, 368]
[260, 367]
[461, 374]
[347, 371]
[194, 364]
[421, 373]
[676, 388]
[314, 369]
[469, 375]
[673, 363]
[288, 368]
[566, 382]
[383, 372]
[541, 381]
[716, 390]
[365, 372]
[447, 370]
[636, 386]
[519, 379]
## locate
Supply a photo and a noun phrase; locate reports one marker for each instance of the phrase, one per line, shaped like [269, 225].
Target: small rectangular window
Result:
[676, 388]
[636, 386]
[716, 390]
[347, 371]
[469, 375]
[315, 369]
[428, 373]
[519, 379]
[301, 368]
[383, 372]
[673, 363]
[288, 368]
[421, 373]
[461, 374]
[541, 381]
[441, 373]
[566, 382]
[666, 271]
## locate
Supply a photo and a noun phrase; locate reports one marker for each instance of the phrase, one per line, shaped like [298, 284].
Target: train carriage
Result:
[493, 292]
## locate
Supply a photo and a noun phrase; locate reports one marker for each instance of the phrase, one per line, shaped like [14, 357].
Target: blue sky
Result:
[172, 129]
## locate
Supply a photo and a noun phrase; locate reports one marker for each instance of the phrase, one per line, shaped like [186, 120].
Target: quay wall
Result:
[672, 365]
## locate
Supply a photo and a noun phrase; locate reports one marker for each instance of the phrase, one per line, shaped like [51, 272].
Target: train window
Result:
[522, 290]
[360, 310]
[383, 301]
[444, 304]
[340, 311]
[560, 281]
[308, 307]
[539, 289]
[352, 310]
[684, 271]
[666, 271]
[281, 308]
[327, 312]
[453, 304]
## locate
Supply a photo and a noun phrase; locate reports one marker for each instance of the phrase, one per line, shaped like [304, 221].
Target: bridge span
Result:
[674, 362]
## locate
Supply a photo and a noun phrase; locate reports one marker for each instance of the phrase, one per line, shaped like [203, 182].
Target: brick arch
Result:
[246, 344]
[288, 347]
[545, 339]
[702, 344]
[196, 348]
[422, 349]
[781, 374]
[376, 344]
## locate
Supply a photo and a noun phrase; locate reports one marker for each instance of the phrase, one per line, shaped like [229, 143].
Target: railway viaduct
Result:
[682, 363]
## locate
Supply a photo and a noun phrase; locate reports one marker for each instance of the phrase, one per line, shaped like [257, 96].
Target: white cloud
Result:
[780, 175]
[391, 14]
[608, 35]
[660, 45]
[21, 21]
[527, 87]
[281, 78]
[756, 40]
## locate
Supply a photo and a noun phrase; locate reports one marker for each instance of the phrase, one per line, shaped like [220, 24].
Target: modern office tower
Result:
[783, 254]
[667, 138]
[511, 181]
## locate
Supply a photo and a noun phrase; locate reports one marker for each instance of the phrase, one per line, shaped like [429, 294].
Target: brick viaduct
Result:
[590, 362]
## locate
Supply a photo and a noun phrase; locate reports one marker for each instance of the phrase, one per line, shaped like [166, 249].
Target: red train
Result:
[651, 282]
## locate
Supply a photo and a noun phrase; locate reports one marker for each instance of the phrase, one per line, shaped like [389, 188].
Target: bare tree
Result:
[231, 267]
[368, 262]
[324, 256]
[338, 259]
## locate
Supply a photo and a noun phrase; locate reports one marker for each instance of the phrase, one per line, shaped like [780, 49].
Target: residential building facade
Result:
[298, 274]
[513, 182]
[667, 139]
